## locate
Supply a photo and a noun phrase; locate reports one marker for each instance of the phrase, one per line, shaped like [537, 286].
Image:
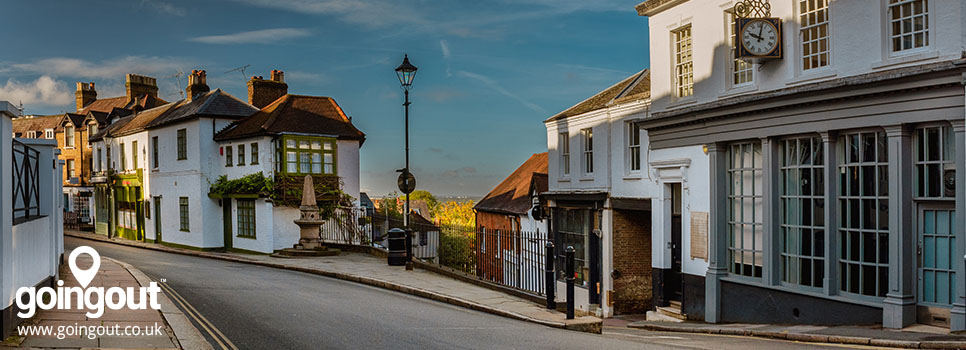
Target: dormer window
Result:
[908, 24]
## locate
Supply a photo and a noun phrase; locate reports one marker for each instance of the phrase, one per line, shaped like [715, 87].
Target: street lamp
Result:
[109, 141]
[407, 182]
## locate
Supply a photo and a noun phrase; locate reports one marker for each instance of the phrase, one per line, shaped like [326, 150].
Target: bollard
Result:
[551, 282]
[570, 282]
[409, 249]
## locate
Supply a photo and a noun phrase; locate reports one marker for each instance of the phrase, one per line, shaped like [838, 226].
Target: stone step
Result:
[671, 312]
[659, 317]
[675, 304]
[292, 252]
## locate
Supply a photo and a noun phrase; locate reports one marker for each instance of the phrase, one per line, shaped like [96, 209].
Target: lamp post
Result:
[407, 182]
[109, 141]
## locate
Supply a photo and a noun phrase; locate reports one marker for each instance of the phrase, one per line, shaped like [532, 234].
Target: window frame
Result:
[733, 71]
[815, 166]
[890, 37]
[123, 156]
[134, 155]
[69, 136]
[182, 140]
[246, 229]
[682, 80]
[184, 215]
[155, 151]
[254, 156]
[305, 156]
[565, 154]
[757, 264]
[946, 161]
[587, 150]
[241, 155]
[801, 42]
[229, 156]
[71, 169]
[633, 129]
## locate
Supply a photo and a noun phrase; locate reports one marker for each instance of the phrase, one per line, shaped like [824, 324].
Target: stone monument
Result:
[309, 222]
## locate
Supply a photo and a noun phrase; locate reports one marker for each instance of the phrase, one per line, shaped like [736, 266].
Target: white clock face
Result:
[759, 37]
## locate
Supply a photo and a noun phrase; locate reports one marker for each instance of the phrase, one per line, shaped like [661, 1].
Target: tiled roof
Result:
[146, 101]
[120, 123]
[295, 114]
[513, 194]
[634, 87]
[216, 103]
[100, 117]
[141, 119]
[36, 123]
[76, 119]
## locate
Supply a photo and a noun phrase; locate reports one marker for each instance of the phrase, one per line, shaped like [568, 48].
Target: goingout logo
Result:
[115, 298]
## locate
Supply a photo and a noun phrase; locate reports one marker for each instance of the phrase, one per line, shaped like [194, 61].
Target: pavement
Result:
[257, 307]
[115, 326]
[371, 270]
[914, 337]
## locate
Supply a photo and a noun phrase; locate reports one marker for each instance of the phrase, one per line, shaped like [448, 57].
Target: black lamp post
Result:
[407, 182]
[109, 141]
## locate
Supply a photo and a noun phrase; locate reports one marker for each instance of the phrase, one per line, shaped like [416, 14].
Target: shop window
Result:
[863, 214]
[802, 233]
[935, 175]
[745, 228]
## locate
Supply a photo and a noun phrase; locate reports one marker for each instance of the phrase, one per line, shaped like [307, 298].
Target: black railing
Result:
[515, 259]
[26, 183]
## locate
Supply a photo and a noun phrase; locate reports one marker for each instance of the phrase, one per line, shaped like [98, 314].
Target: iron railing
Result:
[26, 182]
[515, 259]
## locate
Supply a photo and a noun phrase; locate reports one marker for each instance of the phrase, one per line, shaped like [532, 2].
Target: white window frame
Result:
[69, 136]
[929, 30]
[71, 169]
[587, 150]
[564, 141]
[678, 65]
[49, 134]
[800, 44]
[632, 127]
[733, 62]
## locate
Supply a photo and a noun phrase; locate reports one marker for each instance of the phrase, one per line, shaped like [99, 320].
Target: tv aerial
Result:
[178, 75]
[240, 69]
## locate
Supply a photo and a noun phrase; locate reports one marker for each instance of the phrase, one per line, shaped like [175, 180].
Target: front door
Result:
[936, 244]
[674, 282]
[226, 216]
[157, 219]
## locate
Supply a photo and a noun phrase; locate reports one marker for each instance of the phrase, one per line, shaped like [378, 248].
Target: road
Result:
[258, 307]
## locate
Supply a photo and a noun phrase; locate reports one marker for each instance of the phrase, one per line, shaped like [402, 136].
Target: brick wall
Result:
[632, 257]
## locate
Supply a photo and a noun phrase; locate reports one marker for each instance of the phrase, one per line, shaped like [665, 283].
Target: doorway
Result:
[935, 256]
[226, 216]
[675, 280]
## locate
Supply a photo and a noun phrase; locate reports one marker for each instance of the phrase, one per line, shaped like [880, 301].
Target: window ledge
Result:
[564, 179]
[802, 291]
[739, 90]
[903, 58]
[633, 177]
[247, 237]
[683, 101]
[585, 178]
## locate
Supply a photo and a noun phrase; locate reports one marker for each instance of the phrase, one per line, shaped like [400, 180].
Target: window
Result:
[134, 155]
[909, 24]
[228, 156]
[745, 229]
[863, 214]
[154, 152]
[91, 129]
[565, 153]
[634, 146]
[123, 158]
[309, 155]
[184, 214]
[802, 232]
[110, 164]
[100, 157]
[574, 229]
[246, 218]
[814, 33]
[241, 154]
[588, 144]
[742, 72]
[254, 149]
[71, 170]
[49, 134]
[69, 136]
[182, 144]
[935, 175]
[683, 69]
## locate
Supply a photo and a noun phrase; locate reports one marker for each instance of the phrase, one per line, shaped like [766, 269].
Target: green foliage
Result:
[255, 183]
[457, 248]
[457, 213]
[429, 198]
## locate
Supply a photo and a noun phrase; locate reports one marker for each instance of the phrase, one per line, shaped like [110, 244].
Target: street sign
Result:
[406, 182]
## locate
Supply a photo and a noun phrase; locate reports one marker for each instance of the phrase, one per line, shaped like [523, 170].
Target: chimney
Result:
[139, 85]
[85, 94]
[197, 84]
[263, 92]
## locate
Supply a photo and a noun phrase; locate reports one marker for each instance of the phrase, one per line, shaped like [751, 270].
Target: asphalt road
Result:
[264, 308]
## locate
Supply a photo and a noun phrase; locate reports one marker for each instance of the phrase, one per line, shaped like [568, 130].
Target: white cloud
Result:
[107, 69]
[263, 36]
[165, 7]
[43, 91]
[369, 13]
[493, 85]
[445, 48]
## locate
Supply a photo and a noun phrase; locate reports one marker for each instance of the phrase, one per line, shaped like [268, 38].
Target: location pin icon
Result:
[84, 277]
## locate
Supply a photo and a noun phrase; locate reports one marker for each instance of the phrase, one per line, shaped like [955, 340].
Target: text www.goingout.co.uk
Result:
[91, 332]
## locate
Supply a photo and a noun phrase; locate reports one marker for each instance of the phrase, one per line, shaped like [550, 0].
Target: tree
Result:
[457, 213]
[429, 198]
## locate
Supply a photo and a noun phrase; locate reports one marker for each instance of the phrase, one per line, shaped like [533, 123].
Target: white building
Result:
[832, 180]
[31, 216]
[166, 160]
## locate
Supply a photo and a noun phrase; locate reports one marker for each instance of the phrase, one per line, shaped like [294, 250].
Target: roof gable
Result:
[513, 194]
[316, 115]
[636, 86]
[216, 103]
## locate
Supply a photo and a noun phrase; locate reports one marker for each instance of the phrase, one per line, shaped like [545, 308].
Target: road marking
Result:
[644, 336]
[213, 331]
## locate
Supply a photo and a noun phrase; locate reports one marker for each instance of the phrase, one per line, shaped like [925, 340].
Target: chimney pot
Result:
[263, 92]
[85, 95]
[140, 85]
[197, 84]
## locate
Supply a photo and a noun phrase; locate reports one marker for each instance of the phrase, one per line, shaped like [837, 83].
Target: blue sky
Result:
[489, 71]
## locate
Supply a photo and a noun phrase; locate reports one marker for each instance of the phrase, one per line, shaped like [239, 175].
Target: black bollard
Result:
[409, 249]
[551, 282]
[570, 282]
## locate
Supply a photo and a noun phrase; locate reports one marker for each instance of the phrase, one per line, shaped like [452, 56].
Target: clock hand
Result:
[761, 27]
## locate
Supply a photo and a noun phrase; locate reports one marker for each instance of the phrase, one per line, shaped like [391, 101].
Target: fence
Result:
[26, 182]
[510, 258]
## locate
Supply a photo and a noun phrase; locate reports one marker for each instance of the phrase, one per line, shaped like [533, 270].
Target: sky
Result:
[489, 71]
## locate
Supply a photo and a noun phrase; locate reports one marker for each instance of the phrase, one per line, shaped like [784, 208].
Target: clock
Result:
[758, 39]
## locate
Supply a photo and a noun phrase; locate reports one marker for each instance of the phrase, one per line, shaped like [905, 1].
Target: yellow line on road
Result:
[216, 334]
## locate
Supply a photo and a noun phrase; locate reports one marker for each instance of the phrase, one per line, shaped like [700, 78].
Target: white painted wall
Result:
[347, 165]
[858, 30]
[264, 225]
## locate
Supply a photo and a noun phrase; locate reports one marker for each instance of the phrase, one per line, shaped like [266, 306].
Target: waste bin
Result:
[397, 247]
